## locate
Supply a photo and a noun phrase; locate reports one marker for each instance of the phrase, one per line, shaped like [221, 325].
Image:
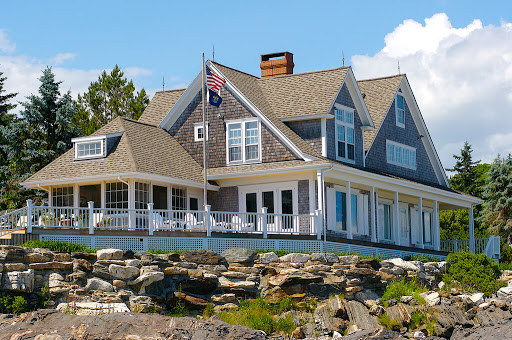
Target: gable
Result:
[159, 106]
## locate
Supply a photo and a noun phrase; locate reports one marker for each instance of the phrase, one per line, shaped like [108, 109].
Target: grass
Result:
[389, 323]
[505, 266]
[259, 314]
[397, 289]
[422, 258]
[58, 246]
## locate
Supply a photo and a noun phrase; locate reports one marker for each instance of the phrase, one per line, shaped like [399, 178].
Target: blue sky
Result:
[162, 38]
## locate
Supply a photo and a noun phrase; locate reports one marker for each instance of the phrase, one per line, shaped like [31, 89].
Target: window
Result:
[401, 155]
[178, 198]
[341, 212]
[199, 133]
[243, 142]
[90, 193]
[400, 110]
[345, 148]
[141, 195]
[116, 195]
[427, 228]
[91, 149]
[385, 221]
[62, 197]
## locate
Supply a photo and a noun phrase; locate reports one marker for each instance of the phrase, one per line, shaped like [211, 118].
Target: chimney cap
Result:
[268, 56]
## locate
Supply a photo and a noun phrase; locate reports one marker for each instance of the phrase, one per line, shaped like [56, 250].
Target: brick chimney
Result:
[276, 64]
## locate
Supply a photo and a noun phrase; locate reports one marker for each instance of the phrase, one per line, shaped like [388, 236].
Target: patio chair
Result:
[238, 224]
[158, 221]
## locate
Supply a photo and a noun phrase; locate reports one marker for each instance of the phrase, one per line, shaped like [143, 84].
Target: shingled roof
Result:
[378, 96]
[159, 106]
[142, 148]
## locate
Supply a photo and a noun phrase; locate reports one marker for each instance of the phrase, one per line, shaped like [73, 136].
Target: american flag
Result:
[214, 81]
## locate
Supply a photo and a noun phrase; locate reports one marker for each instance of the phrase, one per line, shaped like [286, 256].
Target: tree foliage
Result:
[5, 116]
[497, 192]
[41, 133]
[454, 225]
[112, 95]
[466, 177]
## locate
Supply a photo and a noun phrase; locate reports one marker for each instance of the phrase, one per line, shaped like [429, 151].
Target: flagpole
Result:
[205, 164]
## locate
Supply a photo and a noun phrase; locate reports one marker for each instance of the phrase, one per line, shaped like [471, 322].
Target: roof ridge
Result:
[303, 73]
[131, 120]
[234, 69]
[128, 145]
[172, 90]
[381, 78]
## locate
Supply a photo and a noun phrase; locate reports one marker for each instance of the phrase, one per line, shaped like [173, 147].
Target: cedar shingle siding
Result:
[183, 132]
[310, 131]
[226, 199]
[377, 158]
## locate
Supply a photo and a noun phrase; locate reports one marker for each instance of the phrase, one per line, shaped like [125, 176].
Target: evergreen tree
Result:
[112, 95]
[41, 133]
[5, 116]
[465, 178]
[497, 193]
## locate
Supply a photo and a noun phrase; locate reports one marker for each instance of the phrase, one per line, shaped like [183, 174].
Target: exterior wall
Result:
[377, 158]
[226, 199]
[310, 131]
[183, 131]
[345, 99]
[303, 195]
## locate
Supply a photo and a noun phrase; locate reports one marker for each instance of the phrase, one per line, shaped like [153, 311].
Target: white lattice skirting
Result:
[220, 244]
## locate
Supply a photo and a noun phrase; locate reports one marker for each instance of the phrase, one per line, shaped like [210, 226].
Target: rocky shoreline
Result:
[124, 287]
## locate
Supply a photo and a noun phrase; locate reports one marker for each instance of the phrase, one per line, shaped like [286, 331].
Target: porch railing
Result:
[489, 246]
[154, 220]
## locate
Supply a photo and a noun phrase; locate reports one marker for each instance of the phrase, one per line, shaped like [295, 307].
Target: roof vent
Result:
[276, 64]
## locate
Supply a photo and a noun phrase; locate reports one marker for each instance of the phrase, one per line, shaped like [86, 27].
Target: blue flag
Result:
[214, 98]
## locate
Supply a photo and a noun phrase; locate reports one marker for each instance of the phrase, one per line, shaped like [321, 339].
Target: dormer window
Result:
[345, 139]
[93, 147]
[400, 110]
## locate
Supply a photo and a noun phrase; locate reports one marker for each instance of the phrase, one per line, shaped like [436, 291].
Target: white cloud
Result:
[461, 77]
[5, 45]
[62, 57]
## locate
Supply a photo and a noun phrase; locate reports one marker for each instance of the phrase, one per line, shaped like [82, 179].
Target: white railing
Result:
[154, 220]
[489, 246]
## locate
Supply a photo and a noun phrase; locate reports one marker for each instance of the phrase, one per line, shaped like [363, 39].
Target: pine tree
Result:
[41, 133]
[497, 208]
[5, 116]
[112, 95]
[466, 177]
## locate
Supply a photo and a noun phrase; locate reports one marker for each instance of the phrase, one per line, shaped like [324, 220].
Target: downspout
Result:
[364, 156]
[122, 181]
[41, 188]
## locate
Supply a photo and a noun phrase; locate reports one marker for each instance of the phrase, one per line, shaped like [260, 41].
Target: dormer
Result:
[94, 147]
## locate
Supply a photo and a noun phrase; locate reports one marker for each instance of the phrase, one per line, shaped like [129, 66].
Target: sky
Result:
[457, 54]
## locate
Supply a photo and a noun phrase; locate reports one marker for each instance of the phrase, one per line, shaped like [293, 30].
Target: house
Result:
[311, 161]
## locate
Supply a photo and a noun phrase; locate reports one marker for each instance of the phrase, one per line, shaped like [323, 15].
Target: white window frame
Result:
[345, 125]
[361, 210]
[431, 213]
[380, 226]
[90, 141]
[403, 147]
[242, 123]
[277, 188]
[197, 127]
[399, 124]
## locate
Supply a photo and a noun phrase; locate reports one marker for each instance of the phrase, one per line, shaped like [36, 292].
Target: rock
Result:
[447, 318]
[145, 279]
[12, 254]
[92, 308]
[200, 286]
[224, 298]
[505, 293]
[325, 257]
[240, 255]
[359, 316]
[123, 272]
[350, 259]
[477, 298]
[109, 254]
[405, 265]
[190, 301]
[132, 262]
[62, 257]
[392, 302]
[82, 265]
[418, 335]
[432, 299]
[372, 263]
[51, 266]
[292, 280]
[441, 284]
[337, 308]
[11, 267]
[84, 256]
[326, 321]
[400, 314]
[119, 283]
[295, 258]
[336, 335]
[298, 333]
[225, 307]
[38, 257]
[225, 283]
[99, 284]
[367, 297]
[377, 310]
[19, 281]
[491, 316]
[175, 271]
[142, 304]
[203, 256]
[406, 299]
[268, 257]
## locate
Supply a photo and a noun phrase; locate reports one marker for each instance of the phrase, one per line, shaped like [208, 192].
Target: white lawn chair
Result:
[158, 221]
[191, 222]
[238, 224]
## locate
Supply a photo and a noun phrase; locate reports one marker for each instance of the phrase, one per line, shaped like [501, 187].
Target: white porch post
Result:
[349, 211]
[131, 204]
[29, 216]
[264, 212]
[321, 201]
[318, 224]
[420, 221]
[151, 219]
[91, 217]
[471, 230]
[377, 226]
[372, 213]
[323, 129]
[396, 219]
[207, 219]
[437, 235]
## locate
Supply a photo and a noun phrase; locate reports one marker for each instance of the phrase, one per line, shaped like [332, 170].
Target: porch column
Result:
[471, 230]
[131, 204]
[372, 214]
[396, 219]
[377, 227]
[321, 201]
[420, 221]
[437, 233]
[349, 211]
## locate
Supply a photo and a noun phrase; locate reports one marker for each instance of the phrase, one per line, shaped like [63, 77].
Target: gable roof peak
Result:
[382, 78]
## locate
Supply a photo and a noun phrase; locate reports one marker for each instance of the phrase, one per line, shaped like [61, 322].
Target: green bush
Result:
[58, 246]
[397, 289]
[13, 304]
[474, 272]
[389, 323]
[506, 251]
[421, 258]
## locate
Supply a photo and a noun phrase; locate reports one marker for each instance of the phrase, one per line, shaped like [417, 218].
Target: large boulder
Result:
[109, 254]
[269, 257]
[202, 256]
[505, 293]
[240, 255]
[147, 277]
[359, 316]
[123, 272]
[19, 281]
[325, 257]
[400, 263]
[295, 258]
[92, 308]
[99, 284]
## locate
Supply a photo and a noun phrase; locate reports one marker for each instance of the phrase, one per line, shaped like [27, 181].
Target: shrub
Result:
[58, 246]
[506, 251]
[474, 272]
[421, 258]
[208, 311]
[13, 304]
[389, 323]
[397, 289]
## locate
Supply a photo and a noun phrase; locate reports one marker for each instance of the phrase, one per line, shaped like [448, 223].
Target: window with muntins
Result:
[116, 195]
[345, 145]
[62, 196]
[401, 155]
[141, 195]
[199, 133]
[385, 221]
[243, 142]
[89, 149]
[400, 110]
